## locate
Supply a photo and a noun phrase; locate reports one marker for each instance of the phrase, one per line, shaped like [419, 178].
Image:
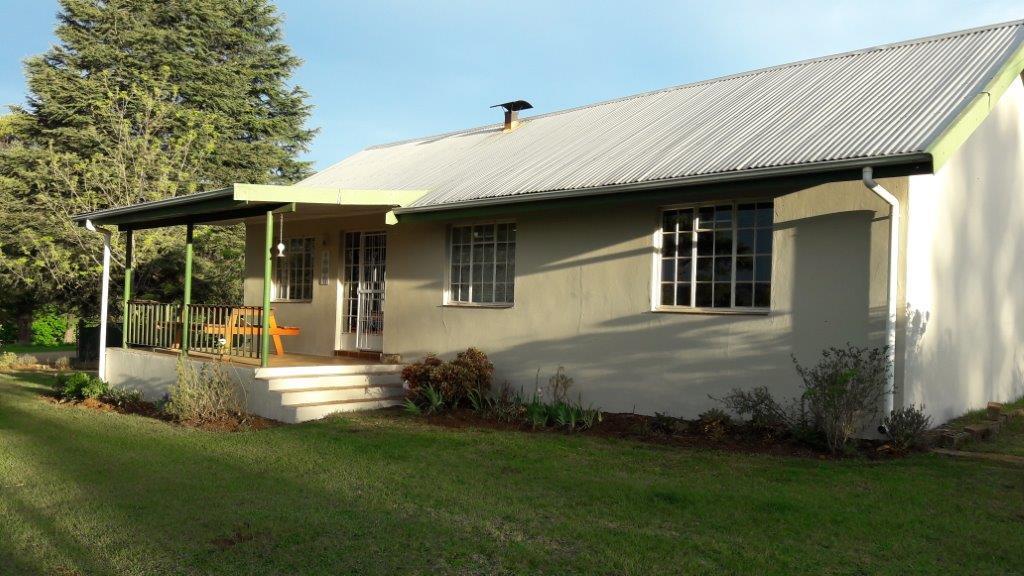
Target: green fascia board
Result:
[181, 210]
[322, 195]
[976, 111]
[761, 188]
[238, 212]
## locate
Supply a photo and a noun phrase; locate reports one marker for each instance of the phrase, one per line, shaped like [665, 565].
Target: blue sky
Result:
[381, 71]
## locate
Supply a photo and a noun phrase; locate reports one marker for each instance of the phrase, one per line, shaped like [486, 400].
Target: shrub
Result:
[842, 389]
[907, 428]
[450, 383]
[508, 406]
[122, 398]
[26, 360]
[758, 407]
[79, 386]
[8, 360]
[205, 395]
[664, 424]
[62, 363]
[48, 328]
[714, 423]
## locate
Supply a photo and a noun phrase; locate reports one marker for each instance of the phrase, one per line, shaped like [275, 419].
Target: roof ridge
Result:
[804, 62]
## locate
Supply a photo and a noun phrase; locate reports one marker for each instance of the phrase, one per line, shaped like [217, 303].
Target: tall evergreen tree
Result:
[140, 100]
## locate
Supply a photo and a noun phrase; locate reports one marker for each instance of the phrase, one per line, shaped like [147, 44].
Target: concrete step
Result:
[333, 381]
[295, 414]
[325, 395]
[275, 372]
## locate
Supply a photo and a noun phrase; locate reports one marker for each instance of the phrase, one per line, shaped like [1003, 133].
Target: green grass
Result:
[1009, 440]
[32, 349]
[85, 492]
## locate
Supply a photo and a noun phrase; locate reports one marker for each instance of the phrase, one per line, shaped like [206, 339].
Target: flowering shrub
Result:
[450, 383]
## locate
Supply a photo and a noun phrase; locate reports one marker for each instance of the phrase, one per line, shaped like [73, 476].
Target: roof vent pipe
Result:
[889, 399]
[512, 113]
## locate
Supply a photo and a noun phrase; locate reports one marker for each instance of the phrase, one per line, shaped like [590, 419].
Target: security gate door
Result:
[363, 324]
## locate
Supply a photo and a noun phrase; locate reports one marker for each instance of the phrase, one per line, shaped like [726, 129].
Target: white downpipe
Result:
[894, 258]
[104, 297]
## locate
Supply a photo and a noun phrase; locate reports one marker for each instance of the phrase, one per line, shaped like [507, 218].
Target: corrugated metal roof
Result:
[884, 102]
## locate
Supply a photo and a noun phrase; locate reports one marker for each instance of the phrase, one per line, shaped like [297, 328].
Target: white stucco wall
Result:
[584, 284]
[965, 276]
[583, 301]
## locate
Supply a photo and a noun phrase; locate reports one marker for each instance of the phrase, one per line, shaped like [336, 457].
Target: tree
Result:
[141, 100]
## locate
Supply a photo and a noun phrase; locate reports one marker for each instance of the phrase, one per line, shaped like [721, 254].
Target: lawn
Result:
[1009, 440]
[88, 492]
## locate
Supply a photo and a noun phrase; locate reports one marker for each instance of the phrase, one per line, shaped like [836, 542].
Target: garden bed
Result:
[642, 428]
[232, 423]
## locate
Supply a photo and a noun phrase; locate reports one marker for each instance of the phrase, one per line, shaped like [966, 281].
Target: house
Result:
[662, 248]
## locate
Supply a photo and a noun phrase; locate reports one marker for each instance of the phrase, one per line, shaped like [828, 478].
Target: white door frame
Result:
[369, 314]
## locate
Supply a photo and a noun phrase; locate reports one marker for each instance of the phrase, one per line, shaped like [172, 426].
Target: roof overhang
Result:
[240, 201]
[801, 175]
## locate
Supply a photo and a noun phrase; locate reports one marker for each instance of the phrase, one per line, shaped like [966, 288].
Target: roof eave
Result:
[922, 159]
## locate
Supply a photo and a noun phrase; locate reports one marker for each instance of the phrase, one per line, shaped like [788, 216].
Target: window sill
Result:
[309, 301]
[715, 311]
[476, 305]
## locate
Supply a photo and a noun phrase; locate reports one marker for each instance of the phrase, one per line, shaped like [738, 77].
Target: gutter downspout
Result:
[104, 297]
[889, 398]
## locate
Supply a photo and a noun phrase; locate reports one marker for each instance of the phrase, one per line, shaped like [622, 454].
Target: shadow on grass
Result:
[168, 497]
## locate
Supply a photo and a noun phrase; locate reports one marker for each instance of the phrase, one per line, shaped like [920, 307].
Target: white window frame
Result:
[448, 300]
[656, 284]
[277, 267]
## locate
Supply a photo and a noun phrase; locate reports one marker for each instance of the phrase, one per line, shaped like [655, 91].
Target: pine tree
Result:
[140, 100]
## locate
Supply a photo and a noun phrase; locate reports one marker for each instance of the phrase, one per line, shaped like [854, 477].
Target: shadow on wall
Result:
[673, 362]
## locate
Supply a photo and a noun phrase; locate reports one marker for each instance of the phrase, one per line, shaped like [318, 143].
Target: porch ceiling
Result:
[240, 201]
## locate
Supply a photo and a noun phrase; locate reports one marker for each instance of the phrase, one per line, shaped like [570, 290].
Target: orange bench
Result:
[236, 325]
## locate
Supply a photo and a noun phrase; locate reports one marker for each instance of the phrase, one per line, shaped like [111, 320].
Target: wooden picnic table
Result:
[236, 325]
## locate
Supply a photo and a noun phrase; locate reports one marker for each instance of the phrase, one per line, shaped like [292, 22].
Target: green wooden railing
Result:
[153, 324]
[219, 330]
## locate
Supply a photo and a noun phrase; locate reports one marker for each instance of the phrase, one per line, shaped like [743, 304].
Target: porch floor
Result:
[284, 360]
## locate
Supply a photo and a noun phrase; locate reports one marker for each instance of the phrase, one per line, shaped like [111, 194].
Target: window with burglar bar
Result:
[482, 261]
[717, 256]
[293, 273]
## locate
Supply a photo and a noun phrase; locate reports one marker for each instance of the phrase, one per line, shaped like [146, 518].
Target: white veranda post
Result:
[104, 298]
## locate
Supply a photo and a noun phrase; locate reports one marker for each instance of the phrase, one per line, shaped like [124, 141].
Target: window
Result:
[482, 261]
[717, 256]
[293, 274]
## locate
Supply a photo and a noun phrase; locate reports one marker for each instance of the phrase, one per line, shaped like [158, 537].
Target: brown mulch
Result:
[233, 423]
[637, 427]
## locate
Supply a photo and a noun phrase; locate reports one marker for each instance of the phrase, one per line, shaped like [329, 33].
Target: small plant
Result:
[204, 395]
[559, 384]
[79, 386]
[122, 398]
[843, 389]
[8, 360]
[62, 363]
[26, 360]
[508, 406]
[591, 418]
[662, 423]
[759, 407]
[434, 400]
[411, 407]
[714, 423]
[537, 413]
[907, 428]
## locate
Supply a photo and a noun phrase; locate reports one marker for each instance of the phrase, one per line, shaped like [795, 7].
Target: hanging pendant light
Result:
[280, 237]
